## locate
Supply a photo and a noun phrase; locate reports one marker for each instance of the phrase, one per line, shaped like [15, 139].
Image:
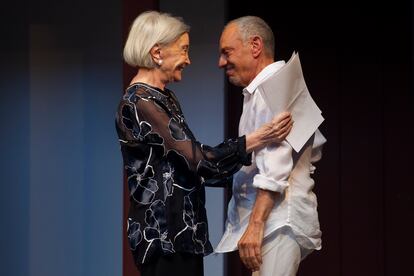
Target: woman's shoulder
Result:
[142, 90]
[138, 91]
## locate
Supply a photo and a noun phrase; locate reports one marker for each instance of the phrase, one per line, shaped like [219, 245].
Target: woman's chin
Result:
[177, 77]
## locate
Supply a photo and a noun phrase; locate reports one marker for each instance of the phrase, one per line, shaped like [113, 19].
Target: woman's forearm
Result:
[254, 141]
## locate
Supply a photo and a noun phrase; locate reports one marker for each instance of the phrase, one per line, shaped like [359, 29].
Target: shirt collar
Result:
[263, 75]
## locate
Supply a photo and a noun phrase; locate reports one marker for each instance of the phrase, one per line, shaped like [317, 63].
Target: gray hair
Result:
[151, 28]
[255, 26]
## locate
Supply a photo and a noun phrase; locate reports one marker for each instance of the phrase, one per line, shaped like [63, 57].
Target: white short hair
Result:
[148, 29]
[249, 26]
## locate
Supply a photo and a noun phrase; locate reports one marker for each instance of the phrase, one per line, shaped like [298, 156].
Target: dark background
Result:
[357, 61]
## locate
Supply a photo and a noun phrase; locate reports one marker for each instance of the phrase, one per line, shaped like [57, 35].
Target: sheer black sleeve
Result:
[147, 122]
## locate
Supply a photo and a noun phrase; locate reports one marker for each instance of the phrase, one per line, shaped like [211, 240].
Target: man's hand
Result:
[250, 246]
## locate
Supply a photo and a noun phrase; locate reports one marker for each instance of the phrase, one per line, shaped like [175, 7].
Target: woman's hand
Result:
[276, 130]
[273, 132]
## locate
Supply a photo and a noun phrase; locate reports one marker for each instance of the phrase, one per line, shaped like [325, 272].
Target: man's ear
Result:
[257, 45]
[156, 53]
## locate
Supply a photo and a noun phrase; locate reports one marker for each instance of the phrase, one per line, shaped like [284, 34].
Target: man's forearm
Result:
[265, 200]
[250, 243]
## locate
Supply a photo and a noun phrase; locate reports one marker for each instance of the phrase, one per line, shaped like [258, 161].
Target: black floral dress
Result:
[166, 169]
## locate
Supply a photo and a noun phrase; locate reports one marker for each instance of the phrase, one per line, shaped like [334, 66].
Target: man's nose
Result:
[222, 61]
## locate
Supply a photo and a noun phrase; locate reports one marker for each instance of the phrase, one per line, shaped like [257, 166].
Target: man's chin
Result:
[235, 81]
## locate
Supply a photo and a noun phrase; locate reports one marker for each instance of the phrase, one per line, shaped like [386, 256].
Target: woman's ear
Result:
[256, 45]
[156, 54]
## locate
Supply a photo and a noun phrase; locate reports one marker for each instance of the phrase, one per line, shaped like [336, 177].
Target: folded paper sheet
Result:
[286, 91]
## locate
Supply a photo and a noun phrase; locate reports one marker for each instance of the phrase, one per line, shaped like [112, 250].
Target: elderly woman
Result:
[165, 165]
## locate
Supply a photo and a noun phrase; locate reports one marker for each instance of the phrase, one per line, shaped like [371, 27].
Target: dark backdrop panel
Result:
[14, 139]
[398, 100]
[357, 61]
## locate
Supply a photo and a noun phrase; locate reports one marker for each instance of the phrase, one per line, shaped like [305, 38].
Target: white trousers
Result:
[281, 254]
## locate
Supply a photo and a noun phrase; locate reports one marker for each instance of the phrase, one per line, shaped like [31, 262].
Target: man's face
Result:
[236, 57]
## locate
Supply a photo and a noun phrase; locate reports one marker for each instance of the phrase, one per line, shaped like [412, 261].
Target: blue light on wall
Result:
[61, 171]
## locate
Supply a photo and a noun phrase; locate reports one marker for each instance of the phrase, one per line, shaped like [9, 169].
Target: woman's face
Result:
[175, 58]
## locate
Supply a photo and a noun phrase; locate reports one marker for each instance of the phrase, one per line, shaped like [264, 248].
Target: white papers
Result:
[286, 91]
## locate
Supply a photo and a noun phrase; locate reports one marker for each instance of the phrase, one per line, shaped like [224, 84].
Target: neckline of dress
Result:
[165, 92]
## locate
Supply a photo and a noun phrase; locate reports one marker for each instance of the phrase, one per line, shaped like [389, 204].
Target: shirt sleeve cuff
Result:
[266, 183]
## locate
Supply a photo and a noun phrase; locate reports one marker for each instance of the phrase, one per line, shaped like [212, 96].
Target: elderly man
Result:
[272, 216]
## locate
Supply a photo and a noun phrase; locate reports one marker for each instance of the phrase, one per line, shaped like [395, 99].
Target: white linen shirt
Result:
[276, 168]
